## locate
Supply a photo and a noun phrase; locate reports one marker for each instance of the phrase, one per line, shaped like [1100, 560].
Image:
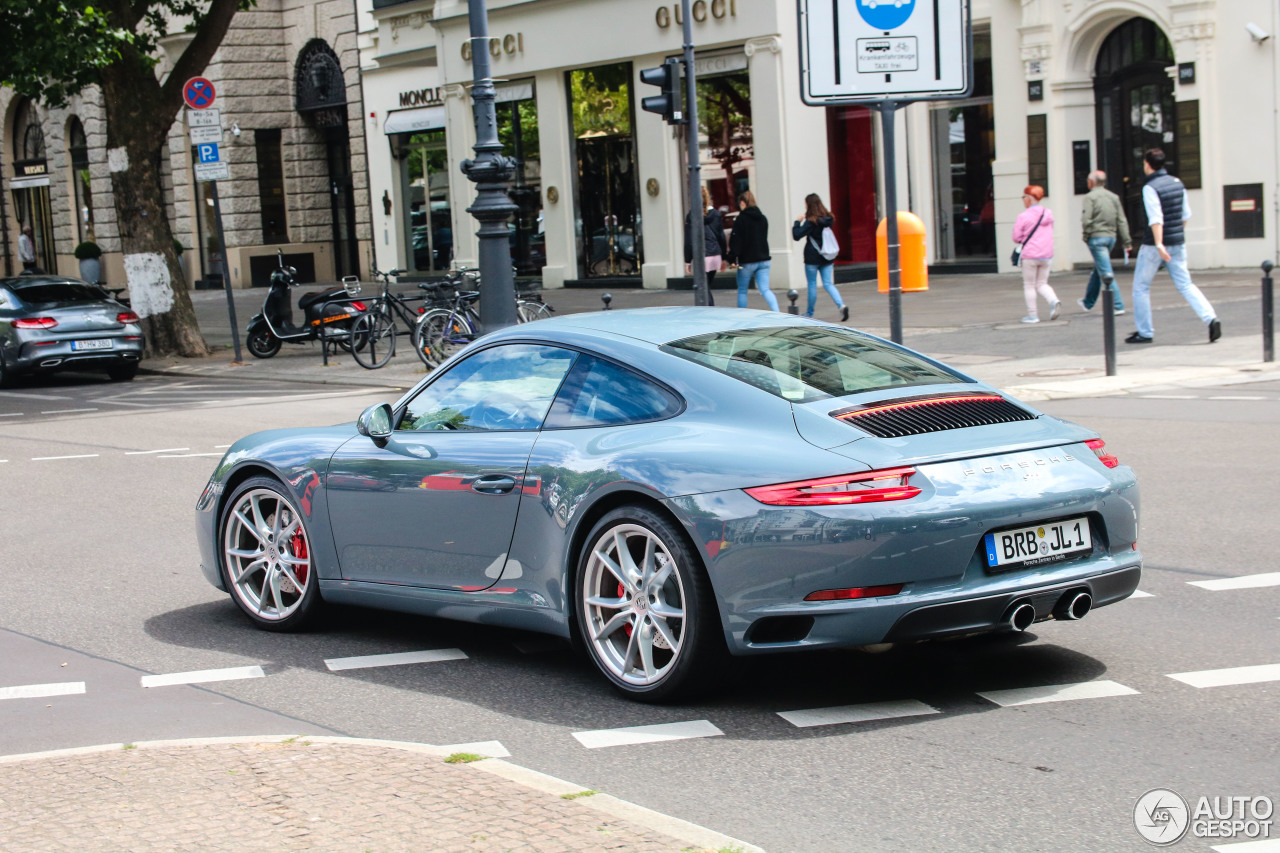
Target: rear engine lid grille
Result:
[934, 413]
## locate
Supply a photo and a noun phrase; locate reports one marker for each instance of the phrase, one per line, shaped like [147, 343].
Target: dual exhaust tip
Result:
[1073, 605]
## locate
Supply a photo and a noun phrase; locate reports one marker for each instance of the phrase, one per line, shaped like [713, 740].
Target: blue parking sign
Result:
[208, 152]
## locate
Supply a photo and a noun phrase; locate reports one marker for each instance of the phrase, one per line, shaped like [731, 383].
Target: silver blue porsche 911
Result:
[669, 485]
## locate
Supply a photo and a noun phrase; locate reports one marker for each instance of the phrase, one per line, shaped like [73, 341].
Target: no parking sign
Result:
[198, 93]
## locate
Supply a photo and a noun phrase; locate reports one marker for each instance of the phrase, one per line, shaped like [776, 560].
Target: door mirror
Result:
[375, 422]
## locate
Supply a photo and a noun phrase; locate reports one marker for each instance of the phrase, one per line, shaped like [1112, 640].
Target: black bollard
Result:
[1109, 322]
[793, 296]
[606, 298]
[1268, 314]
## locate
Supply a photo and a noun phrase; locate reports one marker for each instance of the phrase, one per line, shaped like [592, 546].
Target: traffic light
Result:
[668, 104]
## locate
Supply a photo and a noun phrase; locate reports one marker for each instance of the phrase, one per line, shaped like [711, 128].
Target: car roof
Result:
[659, 325]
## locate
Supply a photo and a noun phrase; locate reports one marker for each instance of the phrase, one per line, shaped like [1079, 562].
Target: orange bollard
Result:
[911, 254]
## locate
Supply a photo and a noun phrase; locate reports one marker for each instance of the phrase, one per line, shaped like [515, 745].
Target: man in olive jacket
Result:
[1103, 221]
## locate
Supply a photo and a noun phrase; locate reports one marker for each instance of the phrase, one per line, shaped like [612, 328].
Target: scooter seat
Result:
[309, 299]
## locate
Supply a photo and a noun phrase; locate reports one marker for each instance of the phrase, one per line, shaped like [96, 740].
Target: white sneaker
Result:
[1118, 312]
[1083, 307]
[1031, 318]
[1055, 309]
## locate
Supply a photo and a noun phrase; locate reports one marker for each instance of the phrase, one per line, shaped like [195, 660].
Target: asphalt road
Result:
[99, 584]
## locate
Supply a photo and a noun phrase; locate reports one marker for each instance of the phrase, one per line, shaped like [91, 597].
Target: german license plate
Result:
[1041, 543]
[97, 343]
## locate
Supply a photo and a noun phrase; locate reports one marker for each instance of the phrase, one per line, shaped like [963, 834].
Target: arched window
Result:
[319, 82]
[78, 151]
[28, 136]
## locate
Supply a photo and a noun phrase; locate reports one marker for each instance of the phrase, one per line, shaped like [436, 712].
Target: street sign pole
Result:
[888, 110]
[226, 279]
[697, 242]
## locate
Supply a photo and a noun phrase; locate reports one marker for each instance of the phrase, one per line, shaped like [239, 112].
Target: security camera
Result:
[1259, 34]
[235, 128]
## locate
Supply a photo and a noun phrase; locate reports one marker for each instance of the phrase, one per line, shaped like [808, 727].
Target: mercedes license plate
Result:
[98, 343]
[1041, 543]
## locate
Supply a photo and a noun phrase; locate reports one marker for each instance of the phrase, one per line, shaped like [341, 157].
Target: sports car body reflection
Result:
[672, 484]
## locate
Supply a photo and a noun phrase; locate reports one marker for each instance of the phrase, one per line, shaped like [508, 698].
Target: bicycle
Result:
[373, 334]
[446, 330]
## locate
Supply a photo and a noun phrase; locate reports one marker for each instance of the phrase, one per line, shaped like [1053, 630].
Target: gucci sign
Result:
[510, 44]
[701, 9]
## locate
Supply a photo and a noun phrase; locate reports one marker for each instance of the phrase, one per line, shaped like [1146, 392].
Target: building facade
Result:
[288, 90]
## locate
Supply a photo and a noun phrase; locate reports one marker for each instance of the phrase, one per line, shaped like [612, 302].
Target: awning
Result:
[412, 121]
[32, 181]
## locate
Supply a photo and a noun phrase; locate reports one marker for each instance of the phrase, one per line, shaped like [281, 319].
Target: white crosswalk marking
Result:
[37, 691]
[646, 734]
[163, 450]
[1243, 582]
[66, 411]
[203, 676]
[50, 458]
[857, 713]
[1137, 593]
[1228, 677]
[184, 455]
[396, 659]
[1236, 398]
[1057, 693]
[487, 748]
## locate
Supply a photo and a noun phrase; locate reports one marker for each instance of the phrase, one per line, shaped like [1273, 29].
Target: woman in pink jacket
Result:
[1034, 230]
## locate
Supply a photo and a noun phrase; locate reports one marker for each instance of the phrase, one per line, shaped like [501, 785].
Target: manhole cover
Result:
[1057, 372]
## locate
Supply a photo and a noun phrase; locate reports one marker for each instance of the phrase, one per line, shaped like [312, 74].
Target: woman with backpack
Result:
[820, 250]
[713, 241]
[749, 249]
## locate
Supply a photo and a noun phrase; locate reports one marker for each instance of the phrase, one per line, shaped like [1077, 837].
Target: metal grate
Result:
[897, 418]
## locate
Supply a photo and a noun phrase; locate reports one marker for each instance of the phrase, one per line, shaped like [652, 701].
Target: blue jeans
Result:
[1144, 271]
[811, 274]
[760, 271]
[1101, 248]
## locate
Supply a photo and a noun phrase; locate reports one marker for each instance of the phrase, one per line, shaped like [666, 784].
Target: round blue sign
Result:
[886, 14]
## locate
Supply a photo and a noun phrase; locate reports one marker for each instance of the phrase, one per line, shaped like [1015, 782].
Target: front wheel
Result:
[373, 340]
[262, 344]
[645, 607]
[266, 556]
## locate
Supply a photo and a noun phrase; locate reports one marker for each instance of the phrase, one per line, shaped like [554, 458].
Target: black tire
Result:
[276, 605]
[262, 344]
[675, 580]
[123, 372]
[443, 334]
[373, 340]
[421, 338]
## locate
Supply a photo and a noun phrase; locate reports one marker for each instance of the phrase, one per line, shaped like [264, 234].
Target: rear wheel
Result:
[266, 557]
[645, 607]
[422, 337]
[263, 344]
[445, 334]
[123, 372]
[373, 340]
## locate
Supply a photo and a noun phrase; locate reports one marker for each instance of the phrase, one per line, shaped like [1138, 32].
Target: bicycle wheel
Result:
[422, 336]
[447, 333]
[373, 340]
[527, 311]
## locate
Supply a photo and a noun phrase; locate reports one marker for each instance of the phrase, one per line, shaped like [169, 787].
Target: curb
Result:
[692, 834]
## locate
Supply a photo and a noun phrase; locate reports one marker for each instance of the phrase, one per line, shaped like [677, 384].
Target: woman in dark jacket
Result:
[713, 240]
[749, 249]
[809, 227]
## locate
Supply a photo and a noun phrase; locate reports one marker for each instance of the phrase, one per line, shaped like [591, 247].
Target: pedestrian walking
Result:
[713, 240]
[1104, 221]
[27, 249]
[820, 250]
[1165, 200]
[1033, 231]
[749, 249]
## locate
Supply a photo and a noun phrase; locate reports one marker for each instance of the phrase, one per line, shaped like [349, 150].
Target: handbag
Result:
[1016, 258]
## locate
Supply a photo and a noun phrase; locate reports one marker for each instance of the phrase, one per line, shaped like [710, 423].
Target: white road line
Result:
[222, 445]
[1270, 845]
[1169, 397]
[1242, 582]
[185, 455]
[857, 713]
[1237, 398]
[203, 676]
[11, 415]
[1228, 677]
[1137, 593]
[50, 458]
[34, 396]
[646, 734]
[1057, 693]
[145, 452]
[66, 411]
[487, 748]
[395, 659]
[36, 691]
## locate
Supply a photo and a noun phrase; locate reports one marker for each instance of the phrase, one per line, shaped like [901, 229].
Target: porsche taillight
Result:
[888, 484]
[1097, 445]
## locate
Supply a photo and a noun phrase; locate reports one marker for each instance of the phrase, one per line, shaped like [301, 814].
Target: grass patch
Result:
[576, 794]
[130, 746]
[463, 758]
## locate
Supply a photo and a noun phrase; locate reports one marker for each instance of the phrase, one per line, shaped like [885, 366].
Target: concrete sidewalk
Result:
[316, 794]
[971, 322]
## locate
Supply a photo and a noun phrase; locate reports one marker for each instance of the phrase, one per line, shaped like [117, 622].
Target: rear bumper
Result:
[59, 355]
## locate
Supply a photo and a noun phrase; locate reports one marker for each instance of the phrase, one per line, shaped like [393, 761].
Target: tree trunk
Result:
[136, 132]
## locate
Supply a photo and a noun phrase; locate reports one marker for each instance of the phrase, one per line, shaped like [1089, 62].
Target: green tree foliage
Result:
[601, 100]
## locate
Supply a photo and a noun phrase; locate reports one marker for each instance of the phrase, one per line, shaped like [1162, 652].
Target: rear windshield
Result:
[58, 291]
[803, 363]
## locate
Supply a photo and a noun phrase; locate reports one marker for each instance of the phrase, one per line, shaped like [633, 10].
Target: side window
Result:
[6, 302]
[501, 388]
[600, 393]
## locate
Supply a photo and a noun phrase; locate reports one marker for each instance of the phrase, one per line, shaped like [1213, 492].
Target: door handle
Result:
[494, 484]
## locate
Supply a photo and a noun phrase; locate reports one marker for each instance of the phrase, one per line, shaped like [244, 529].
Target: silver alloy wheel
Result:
[267, 554]
[634, 605]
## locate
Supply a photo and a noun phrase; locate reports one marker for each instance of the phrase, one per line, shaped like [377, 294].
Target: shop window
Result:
[425, 188]
[518, 132]
[726, 143]
[271, 186]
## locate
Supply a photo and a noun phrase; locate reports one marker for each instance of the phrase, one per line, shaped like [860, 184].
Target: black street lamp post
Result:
[490, 171]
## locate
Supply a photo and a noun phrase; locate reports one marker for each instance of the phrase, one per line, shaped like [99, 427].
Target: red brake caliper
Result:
[621, 592]
[298, 545]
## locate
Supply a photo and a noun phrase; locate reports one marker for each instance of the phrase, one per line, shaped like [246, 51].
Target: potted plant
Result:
[88, 254]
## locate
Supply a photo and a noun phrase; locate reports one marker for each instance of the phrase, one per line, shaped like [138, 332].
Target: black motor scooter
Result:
[327, 314]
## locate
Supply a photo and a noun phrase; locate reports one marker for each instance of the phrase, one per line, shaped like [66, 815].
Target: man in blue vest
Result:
[1165, 200]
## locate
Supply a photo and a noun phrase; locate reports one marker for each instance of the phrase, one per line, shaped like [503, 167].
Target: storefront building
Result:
[288, 87]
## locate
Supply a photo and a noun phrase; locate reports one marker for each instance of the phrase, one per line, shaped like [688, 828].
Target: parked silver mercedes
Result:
[669, 485]
[50, 323]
